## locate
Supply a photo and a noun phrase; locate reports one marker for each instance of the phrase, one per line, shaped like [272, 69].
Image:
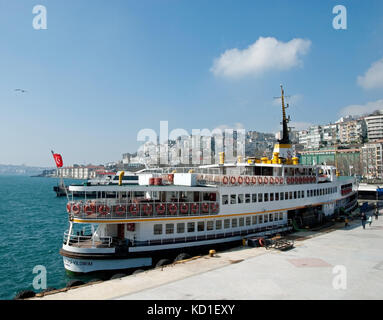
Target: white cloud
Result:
[263, 55]
[363, 109]
[373, 78]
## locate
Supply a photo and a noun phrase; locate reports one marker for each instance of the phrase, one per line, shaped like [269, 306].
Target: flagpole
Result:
[62, 183]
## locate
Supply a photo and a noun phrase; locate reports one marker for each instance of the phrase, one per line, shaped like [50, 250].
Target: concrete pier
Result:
[341, 263]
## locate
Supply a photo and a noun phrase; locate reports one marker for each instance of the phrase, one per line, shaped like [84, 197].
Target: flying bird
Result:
[21, 90]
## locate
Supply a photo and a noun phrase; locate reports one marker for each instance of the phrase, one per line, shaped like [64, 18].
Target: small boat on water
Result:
[173, 211]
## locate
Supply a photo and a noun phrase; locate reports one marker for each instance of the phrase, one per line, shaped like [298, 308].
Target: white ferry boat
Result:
[172, 211]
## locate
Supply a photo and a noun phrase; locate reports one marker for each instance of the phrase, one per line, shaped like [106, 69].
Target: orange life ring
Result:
[76, 208]
[281, 180]
[225, 180]
[271, 180]
[172, 208]
[68, 207]
[148, 209]
[103, 209]
[133, 209]
[296, 179]
[232, 180]
[247, 180]
[240, 180]
[253, 180]
[214, 207]
[184, 208]
[300, 179]
[259, 180]
[120, 210]
[276, 180]
[89, 209]
[205, 207]
[261, 242]
[160, 208]
[265, 180]
[194, 207]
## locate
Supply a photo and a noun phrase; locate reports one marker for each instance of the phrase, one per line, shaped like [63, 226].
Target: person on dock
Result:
[369, 220]
[376, 212]
[363, 218]
[346, 222]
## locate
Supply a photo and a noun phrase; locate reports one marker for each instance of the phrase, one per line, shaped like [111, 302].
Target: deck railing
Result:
[81, 239]
[113, 210]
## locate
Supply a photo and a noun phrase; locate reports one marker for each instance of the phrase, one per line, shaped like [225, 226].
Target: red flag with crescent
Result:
[58, 159]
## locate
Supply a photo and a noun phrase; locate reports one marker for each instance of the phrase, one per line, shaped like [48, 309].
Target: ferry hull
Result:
[90, 265]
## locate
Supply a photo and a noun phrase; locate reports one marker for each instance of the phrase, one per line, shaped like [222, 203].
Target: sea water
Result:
[32, 224]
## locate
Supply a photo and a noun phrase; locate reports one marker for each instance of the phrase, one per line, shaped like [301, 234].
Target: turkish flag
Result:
[58, 159]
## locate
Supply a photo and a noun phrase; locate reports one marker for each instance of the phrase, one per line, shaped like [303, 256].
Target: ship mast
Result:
[285, 133]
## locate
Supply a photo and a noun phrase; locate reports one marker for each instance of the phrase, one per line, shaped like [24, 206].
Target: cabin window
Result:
[247, 198]
[265, 218]
[295, 194]
[191, 226]
[200, 226]
[226, 223]
[276, 196]
[302, 194]
[254, 197]
[266, 197]
[299, 194]
[308, 193]
[180, 227]
[209, 225]
[225, 199]
[241, 222]
[234, 223]
[260, 197]
[240, 198]
[260, 218]
[233, 199]
[157, 229]
[254, 219]
[286, 196]
[218, 225]
[290, 195]
[271, 196]
[281, 195]
[311, 193]
[271, 217]
[280, 215]
[248, 221]
[169, 228]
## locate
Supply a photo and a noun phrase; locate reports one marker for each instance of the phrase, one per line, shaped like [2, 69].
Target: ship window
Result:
[240, 198]
[234, 223]
[281, 195]
[191, 226]
[259, 197]
[302, 193]
[280, 215]
[286, 196]
[311, 193]
[290, 195]
[308, 193]
[295, 194]
[233, 199]
[315, 192]
[169, 228]
[241, 222]
[157, 229]
[209, 225]
[201, 226]
[266, 197]
[271, 217]
[271, 196]
[225, 199]
[265, 218]
[254, 219]
[299, 194]
[254, 197]
[248, 221]
[180, 227]
[247, 198]
[277, 196]
[218, 225]
[226, 223]
[260, 218]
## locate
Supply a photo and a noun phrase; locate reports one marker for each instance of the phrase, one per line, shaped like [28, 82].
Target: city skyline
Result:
[100, 73]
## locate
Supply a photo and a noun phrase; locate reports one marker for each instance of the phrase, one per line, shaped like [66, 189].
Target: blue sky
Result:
[103, 70]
